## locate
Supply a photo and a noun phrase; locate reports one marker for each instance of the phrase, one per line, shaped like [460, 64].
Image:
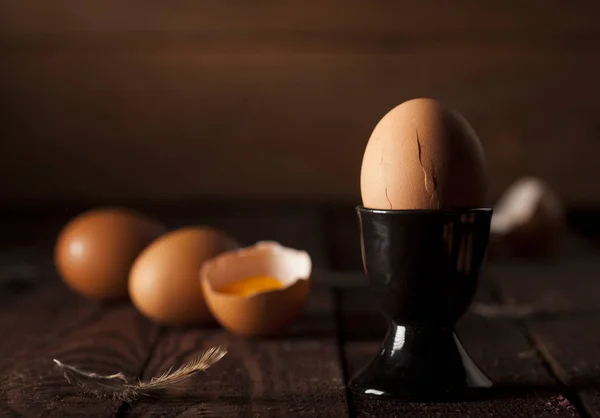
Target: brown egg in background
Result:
[95, 251]
[164, 280]
[422, 155]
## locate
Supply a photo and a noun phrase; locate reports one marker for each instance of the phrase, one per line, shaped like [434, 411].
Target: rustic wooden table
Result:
[544, 359]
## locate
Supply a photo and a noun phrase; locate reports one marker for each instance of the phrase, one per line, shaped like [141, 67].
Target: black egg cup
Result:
[422, 267]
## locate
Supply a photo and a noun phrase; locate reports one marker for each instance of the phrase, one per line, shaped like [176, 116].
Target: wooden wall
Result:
[108, 99]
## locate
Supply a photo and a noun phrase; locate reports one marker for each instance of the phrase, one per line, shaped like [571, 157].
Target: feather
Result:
[117, 386]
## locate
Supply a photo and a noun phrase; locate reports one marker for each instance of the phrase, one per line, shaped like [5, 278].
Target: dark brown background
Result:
[154, 100]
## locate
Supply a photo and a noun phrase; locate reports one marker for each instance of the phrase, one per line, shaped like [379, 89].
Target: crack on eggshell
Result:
[421, 161]
[388, 198]
[383, 175]
[432, 193]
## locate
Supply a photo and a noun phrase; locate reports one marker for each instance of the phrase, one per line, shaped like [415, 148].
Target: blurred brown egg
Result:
[163, 283]
[95, 251]
[257, 290]
[423, 156]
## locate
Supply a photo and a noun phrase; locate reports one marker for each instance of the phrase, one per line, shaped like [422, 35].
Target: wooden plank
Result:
[556, 287]
[566, 294]
[417, 17]
[295, 374]
[51, 322]
[524, 388]
[21, 268]
[180, 123]
[571, 348]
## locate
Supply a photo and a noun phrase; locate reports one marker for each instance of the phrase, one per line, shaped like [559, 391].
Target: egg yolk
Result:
[252, 285]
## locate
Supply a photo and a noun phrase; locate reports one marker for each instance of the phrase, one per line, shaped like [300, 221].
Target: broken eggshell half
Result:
[528, 220]
[266, 312]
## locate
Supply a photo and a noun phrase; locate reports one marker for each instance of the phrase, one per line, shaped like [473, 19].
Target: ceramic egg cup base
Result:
[419, 363]
[422, 267]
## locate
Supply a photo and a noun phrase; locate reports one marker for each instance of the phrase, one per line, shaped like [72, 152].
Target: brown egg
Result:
[163, 283]
[95, 251]
[423, 156]
[264, 312]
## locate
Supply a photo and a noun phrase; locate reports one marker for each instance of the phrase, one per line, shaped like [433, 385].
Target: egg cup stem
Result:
[422, 267]
[419, 362]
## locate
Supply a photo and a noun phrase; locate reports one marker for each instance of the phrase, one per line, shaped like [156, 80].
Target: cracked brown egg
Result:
[422, 155]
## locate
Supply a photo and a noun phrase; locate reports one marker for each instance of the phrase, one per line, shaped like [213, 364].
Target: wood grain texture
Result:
[567, 336]
[295, 374]
[566, 286]
[523, 386]
[571, 348]
[51, 322]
